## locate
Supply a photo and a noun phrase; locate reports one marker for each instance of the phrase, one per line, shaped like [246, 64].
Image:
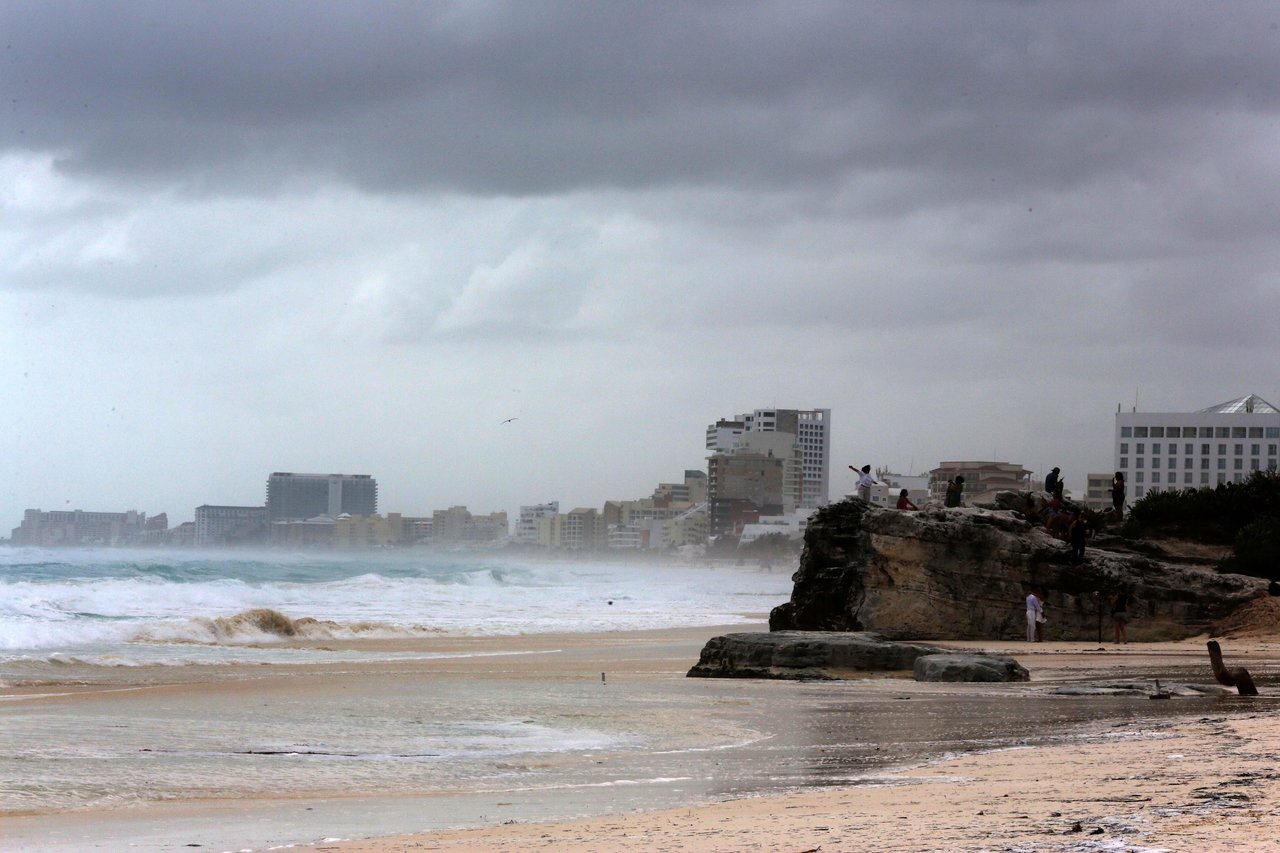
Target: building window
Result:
[1139, 432]
[1124, 461]
[1238, 464]
[1172, 432]
[1222, 450]
[1238, 478]
[1126, 432]
[1155, 463]
[1157, 432]
[1272, 432]
[1222, 478]
[1188, 449]
[1204, 450]
[1141, 490]
[1188, 463]
[1173, 463]
[1222, 464]
[1239, 450]
[1255, 432]
[1155, 476]
[1221, 432]
[1137, 463]
[1253, 464]
[1141, 448]
[1255, 449]
[1186, 478]
[1124, 447]
[1204, 478]
[1139, 477]
[1271, 450]
[1155, 447]
[1206, 432]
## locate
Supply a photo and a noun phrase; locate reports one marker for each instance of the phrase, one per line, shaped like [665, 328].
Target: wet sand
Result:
[765, 765]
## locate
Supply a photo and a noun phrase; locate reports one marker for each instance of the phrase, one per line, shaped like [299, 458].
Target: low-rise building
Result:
[981, 479]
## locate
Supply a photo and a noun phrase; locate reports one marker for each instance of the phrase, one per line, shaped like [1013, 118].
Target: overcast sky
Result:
[238, 238]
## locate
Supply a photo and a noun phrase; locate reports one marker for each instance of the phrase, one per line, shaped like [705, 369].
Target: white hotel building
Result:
[1181, 450]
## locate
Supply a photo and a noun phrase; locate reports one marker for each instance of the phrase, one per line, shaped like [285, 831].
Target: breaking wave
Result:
[262, 624]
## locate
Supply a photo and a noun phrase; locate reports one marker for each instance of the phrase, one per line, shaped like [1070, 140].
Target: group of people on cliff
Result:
[955, 488]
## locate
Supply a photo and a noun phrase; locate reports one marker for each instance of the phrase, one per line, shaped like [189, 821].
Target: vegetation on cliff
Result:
[1245, 515]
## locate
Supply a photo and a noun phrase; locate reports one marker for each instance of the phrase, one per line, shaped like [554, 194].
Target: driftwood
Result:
[1238, 677]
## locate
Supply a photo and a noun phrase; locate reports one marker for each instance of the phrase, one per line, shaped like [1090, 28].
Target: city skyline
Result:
[498, 255]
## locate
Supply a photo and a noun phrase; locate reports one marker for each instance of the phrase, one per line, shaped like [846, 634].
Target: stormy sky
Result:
[238, 238]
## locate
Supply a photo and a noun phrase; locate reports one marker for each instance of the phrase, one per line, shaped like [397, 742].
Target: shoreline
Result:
[808, 745]
[1202, 785]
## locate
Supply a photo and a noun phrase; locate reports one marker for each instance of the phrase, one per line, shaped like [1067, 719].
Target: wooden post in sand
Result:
[1238, 678]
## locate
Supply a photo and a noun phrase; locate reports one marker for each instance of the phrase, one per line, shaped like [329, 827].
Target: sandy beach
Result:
[1042, 772]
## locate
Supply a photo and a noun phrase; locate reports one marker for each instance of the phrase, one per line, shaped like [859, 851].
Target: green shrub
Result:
[1257, 550]
[1211, 514]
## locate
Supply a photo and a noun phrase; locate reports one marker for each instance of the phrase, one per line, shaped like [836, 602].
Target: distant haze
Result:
[238, 238]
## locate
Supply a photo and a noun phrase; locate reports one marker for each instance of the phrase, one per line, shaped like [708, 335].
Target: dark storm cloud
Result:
[546, 97]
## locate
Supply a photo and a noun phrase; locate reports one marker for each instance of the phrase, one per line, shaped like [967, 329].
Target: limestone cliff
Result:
[965, 574]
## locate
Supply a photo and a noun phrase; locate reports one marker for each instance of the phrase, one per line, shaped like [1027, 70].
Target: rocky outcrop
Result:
[804, 655]
[965, 574]
[961, 666]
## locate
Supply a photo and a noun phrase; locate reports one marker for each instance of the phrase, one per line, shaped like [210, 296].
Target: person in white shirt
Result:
[865, 481]
[1035, 611]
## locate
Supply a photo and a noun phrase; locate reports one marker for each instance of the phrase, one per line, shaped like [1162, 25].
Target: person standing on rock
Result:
[1051, 482]
[1035, 615]
[955, 489]
[1117, 495]
[865, 481]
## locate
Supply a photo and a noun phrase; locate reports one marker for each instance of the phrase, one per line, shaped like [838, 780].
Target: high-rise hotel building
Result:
[301, 496]
[1181, 450]
[811, 451]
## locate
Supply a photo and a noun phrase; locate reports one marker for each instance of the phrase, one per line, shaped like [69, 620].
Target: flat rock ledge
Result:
[959, 666]
[805, 655]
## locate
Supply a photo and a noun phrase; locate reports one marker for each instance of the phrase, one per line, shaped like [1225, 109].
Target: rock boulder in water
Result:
[959, 666]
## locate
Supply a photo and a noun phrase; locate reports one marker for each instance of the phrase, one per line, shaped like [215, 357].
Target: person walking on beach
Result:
[1117, 495]
[904, 501]
[865, 481]
[1120, 614]
[1035, 615]
[955, 488]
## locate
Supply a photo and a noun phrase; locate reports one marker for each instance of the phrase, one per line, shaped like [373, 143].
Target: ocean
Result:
[131, 680]
[127, 608]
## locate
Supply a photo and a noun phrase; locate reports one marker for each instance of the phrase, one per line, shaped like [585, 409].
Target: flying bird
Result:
[509, 420]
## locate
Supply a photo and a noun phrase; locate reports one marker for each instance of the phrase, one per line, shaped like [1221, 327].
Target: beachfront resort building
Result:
[300, 496]
[527, 524]
[1224, 443]
[77, 527]
[230, 525]
[810, 447]
[981, 479]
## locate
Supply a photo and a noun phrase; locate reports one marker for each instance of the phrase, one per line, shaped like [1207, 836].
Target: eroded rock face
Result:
[804, 655]
[965, 574]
